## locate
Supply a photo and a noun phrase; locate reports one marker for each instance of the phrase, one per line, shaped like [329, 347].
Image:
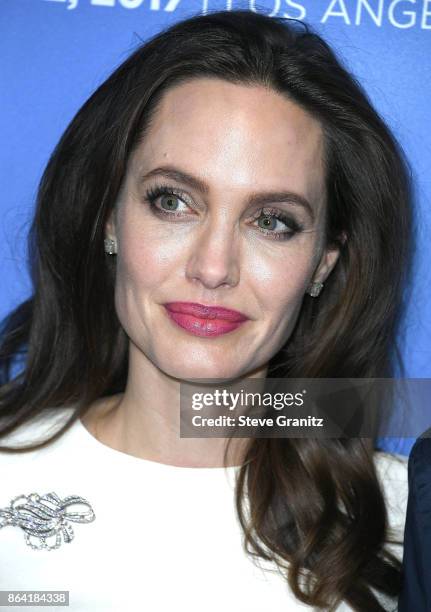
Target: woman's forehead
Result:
[235, 136]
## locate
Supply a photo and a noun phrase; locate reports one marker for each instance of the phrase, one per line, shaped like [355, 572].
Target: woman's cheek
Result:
[281, 278]
[147, 258]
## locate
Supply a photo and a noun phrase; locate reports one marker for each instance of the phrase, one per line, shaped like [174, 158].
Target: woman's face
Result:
[227, 233]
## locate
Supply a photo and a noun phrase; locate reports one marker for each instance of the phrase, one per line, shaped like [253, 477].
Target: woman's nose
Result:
[215, 256]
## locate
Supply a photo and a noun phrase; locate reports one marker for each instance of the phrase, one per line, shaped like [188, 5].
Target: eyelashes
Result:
[265, 213]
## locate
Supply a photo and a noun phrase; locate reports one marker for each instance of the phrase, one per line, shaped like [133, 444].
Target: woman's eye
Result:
[270, 222]
[169, 202]
[277, 225]
[165, 201]
[273, 223]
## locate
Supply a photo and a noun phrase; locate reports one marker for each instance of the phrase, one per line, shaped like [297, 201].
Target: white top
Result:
[164, 537]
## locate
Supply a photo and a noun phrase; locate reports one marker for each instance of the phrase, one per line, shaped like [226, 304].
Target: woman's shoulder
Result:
[42, 469]
[32, 431]
[392, 471]
[391, 466]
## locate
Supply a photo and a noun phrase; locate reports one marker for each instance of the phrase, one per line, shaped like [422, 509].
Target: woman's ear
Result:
[327, 264]
[329, 259]
[110, 227]
[110, 239]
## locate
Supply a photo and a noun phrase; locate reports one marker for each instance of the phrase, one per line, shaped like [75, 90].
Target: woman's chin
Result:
[200, 373]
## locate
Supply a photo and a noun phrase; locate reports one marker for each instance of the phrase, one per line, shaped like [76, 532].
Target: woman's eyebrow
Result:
[260, 198]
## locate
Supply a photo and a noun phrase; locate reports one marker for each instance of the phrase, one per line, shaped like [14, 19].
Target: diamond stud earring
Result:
[314, 289]
[110, 246]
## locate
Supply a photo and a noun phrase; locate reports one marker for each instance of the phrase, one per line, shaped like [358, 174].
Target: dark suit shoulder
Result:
[419, 473]
[420, 455]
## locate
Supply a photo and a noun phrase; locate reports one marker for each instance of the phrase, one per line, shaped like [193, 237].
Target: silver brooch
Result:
[44, 516]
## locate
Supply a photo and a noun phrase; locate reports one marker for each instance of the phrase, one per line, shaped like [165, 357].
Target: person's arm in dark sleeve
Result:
[416, 587]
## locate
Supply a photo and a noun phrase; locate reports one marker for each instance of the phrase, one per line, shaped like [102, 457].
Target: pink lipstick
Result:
[202, 320]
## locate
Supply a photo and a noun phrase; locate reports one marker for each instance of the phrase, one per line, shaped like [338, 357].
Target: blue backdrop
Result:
[54, 53]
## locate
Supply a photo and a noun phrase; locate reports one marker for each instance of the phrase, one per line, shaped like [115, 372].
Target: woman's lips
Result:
[202, 320]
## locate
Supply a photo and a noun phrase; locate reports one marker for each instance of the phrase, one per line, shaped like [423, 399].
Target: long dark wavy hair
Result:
[315, 506]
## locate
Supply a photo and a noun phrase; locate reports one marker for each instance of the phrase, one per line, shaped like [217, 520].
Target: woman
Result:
[230, 162]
